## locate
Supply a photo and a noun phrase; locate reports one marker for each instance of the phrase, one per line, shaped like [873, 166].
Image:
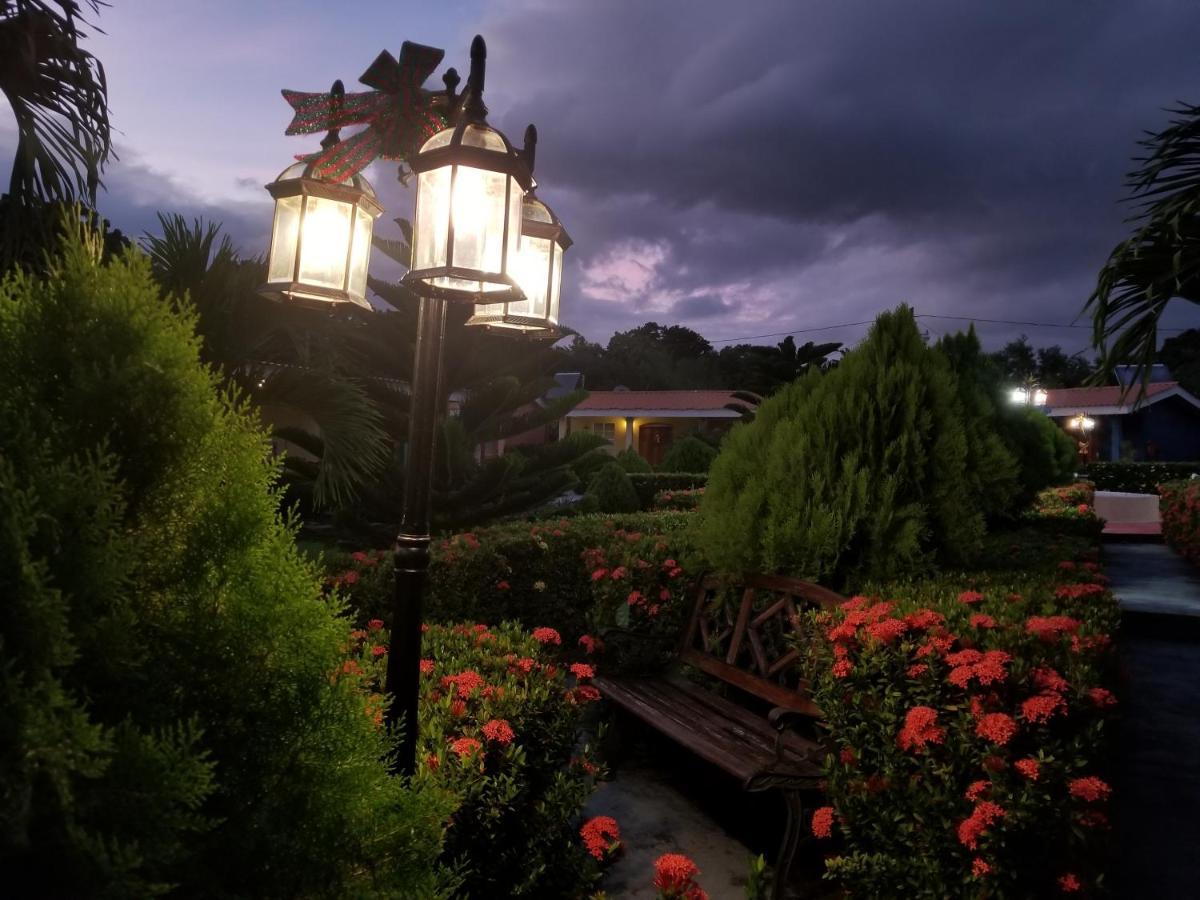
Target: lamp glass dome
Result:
[538, 272]
[467, 225]
[320, 239]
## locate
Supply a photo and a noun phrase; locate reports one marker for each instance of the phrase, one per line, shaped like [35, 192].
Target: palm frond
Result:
[1160, 261]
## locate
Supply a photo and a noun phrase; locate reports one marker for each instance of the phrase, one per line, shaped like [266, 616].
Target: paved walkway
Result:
[1158, 778]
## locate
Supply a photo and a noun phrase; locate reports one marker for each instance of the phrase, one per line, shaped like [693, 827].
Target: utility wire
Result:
[755, 337]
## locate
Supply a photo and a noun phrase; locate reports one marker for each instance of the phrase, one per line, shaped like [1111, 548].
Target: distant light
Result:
[1019, 395]
[1082, 423]
[1039, 397]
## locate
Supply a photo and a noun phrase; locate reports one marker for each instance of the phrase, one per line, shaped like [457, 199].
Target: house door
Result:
[653, 441]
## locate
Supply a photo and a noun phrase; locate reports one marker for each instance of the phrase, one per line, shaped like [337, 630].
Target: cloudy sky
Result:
[745, 168]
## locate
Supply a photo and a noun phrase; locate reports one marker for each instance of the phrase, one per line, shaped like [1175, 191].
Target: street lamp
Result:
[1082, 423]
[1027, 396]
[469, 246]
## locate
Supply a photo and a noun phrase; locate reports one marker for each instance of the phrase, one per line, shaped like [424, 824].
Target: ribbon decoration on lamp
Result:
[398, 114]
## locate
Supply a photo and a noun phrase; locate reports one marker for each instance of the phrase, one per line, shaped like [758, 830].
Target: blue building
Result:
[1115, 422]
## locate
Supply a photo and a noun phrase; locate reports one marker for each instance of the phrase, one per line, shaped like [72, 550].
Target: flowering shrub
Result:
[1138, 477]
[968, 719]
[539, 574]
[650, 484]
[682, 499]
[1067, 510]
[499, 719]
[1179, 507]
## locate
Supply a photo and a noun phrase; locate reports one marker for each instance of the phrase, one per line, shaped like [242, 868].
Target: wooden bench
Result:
[745, 642]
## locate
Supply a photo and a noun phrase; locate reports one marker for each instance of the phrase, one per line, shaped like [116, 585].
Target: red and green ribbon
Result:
[397, 114]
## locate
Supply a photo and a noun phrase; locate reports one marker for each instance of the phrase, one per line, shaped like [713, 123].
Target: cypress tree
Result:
[860, 472]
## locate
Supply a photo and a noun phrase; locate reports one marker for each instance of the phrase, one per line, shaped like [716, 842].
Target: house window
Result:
[606, 430]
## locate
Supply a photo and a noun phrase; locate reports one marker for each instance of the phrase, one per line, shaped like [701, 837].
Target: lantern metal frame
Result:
[453, 153]
[359, 195]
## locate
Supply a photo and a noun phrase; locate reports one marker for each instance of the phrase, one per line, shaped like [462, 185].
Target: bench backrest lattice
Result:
[743, 635]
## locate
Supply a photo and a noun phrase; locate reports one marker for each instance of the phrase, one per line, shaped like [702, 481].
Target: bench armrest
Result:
[784, 720]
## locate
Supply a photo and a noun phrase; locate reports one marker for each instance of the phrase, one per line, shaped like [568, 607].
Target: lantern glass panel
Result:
[325, 242]
[531, 271]
[283, 239]
[433, 218]
[555, 285]
[479, 136]
[477, 212]
[360, 256]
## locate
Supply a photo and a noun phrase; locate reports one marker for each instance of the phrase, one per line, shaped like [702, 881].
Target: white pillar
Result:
[628, 432]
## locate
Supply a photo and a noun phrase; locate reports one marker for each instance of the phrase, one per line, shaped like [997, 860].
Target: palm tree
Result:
[59, 98]
[298, 366]
[1161, 259]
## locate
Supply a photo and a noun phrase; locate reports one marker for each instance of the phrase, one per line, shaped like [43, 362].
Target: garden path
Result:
[1158, 778]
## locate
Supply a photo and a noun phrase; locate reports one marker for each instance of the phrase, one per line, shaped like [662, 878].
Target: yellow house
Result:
[650, 421]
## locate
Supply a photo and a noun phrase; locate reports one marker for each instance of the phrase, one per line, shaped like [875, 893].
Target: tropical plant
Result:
[59, 98]
[1160, 261]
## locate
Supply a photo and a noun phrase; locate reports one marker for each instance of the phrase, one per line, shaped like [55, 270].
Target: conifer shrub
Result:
[992, 469]
[632, 462]
[1046, 455]
[860, 472]
[688, 455]
[613, 490]
[166, 656]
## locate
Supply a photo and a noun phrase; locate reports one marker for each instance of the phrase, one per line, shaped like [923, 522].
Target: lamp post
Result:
[476, 228]
[1027, 396]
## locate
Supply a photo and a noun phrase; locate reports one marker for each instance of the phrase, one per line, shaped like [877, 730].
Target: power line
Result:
[755, 337]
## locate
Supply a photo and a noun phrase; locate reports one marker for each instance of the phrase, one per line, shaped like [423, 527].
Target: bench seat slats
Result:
[723, 733]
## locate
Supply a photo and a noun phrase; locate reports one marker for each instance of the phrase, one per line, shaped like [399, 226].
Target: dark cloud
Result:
[704, 306]
[815, 163]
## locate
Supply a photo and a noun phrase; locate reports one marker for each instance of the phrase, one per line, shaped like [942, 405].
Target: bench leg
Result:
[791, 840]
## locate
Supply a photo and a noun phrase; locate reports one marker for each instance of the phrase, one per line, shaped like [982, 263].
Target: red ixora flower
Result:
[1050, 628]
[976, 790]
[582, 671]
[917, 670]
[981, 620]
[1091, 789]
[378, 650]
[427, 666]
[375, 624]
[971, 828]
[822, 822]
[588, 643]
[1068, 883]
[979, 868]
[350, 577]
[499, 731]
[601, 836]
[920, 729]
[1042, 707]
[1028, 767]
[502, 585]
[465, 746]
[1049, 680]
[673, 874]
[547, 636]
[969, 597]
[1101, 697]
[997, 728]
[842, 668]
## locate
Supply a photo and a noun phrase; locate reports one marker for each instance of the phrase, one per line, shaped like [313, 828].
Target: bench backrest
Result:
[741, 635]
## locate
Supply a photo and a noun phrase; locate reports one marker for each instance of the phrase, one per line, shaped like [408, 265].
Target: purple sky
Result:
[741, 168]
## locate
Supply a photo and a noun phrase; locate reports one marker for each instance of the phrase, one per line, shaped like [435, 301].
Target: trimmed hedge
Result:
[534, 574]
[1138, 477]
[649, 485]
[1179, 504]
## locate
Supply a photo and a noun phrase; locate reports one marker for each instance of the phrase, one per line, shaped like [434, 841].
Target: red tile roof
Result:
[1113, 395]
[661, 400]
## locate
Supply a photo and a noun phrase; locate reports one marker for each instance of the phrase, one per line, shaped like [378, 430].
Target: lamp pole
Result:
[411, 553]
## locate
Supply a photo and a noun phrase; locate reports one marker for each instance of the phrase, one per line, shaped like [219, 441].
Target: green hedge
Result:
[532, 573]
[649, 484]
[1138, 477]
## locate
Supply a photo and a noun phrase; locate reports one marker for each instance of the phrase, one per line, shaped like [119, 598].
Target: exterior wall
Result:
[1166, 431]
[681, 427]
